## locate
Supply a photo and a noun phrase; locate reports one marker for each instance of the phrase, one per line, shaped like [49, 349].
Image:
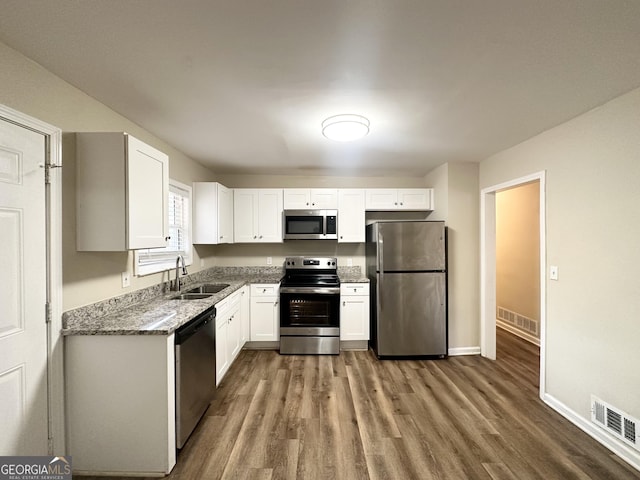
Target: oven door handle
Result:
[327, 290]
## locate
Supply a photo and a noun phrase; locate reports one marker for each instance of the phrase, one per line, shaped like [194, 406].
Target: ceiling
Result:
[242, 86]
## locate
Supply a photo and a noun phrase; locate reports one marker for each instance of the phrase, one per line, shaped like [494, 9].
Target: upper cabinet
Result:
[310, 198]
[257, 215]
[121, 194]
[399, 199]
[351, 215]
[212, 213]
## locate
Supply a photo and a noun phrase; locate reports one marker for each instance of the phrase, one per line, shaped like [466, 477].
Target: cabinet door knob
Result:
[401, 203]
[260, 236]
[275, 304]
[167, 238]
[344, 304]
[255, 236]
[355, 290]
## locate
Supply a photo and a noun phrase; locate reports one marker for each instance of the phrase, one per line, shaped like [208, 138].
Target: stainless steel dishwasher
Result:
[195, 344]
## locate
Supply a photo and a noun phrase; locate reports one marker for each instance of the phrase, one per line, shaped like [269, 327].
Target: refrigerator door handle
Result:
[380, 261]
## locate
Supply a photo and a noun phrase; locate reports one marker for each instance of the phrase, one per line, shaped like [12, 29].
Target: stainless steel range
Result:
[310, 306]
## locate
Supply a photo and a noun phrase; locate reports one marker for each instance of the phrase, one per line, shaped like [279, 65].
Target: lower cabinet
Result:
[228, 333]
[265, 312]
[354, 311]
[120, 404]
[245, 315]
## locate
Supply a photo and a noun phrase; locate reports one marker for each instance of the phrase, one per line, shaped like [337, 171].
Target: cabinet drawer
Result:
[265, 290]
[222, 305]
[354, 289]
[234, 298]
[228, 304]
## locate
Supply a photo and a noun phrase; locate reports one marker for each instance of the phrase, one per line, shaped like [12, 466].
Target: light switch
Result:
[553, 272]
[269, 260]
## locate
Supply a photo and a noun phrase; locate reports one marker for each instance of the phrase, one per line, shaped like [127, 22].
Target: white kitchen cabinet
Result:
[228, 333]
[245, 315]
[257, 215]
[120, 403]
[382, 199]
[265, 312]
[351, 215]
[354, 311]
[122, 192]
[212, 213]
[310, 198]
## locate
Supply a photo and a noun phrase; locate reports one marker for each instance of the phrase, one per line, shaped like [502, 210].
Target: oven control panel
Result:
[311, 262]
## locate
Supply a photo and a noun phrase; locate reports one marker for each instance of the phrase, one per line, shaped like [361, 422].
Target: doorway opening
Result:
[518, 283]
[489, 272]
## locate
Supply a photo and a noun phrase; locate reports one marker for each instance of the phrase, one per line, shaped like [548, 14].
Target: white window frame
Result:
[168, 261]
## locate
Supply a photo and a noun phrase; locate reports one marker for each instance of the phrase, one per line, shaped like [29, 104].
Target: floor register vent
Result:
[616, 422]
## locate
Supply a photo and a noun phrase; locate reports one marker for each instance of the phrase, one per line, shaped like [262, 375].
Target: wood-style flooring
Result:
[354, 417]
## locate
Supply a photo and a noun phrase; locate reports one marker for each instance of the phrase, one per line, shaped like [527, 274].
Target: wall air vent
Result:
[529, 326]
[615, 421]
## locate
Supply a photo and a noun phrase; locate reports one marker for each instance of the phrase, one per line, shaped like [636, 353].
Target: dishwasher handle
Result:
[191, 328]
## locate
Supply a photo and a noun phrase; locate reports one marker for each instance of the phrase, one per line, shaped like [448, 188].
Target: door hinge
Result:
[47, 312]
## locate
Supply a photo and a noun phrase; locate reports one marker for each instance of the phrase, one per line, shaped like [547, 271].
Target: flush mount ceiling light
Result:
[345, 128]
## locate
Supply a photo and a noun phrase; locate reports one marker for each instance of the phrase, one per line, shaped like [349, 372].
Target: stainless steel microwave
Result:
[310, 225]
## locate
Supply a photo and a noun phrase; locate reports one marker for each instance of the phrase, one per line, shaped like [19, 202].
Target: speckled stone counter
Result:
[351, 275]
[152, 311]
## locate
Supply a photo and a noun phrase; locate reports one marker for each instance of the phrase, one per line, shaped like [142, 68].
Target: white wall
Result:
[457, 203]
[593, 232]
[29, 88]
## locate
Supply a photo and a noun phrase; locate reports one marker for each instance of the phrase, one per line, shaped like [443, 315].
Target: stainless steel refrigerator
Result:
[407, 267]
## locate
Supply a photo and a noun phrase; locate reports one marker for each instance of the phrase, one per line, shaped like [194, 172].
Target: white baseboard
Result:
[517, 332]
[620, 449]
[455, 352]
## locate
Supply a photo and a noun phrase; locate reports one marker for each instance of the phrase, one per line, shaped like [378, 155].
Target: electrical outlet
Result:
[553, 272]
[269, 261]
[126, 279]
[349, 262]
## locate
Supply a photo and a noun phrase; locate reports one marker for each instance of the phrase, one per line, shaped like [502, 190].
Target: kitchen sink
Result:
[208, 288]
[191, 296]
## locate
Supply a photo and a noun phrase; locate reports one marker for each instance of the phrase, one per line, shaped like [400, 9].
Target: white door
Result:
[245, 206]
[147, 195]
[351, 216]
[23, 333]
[354, 318]
[270, 215]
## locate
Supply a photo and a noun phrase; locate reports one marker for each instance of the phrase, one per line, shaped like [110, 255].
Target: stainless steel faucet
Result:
[175, 286]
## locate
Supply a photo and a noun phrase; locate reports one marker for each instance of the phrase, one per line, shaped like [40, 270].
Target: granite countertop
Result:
[353, 278]
[153, 311]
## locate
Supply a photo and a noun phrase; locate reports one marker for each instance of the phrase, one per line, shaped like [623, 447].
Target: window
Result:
[152, 260]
